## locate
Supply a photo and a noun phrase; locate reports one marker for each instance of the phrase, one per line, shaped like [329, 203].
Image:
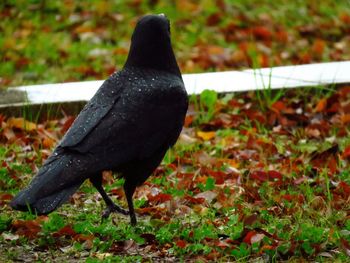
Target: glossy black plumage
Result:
[127, 127]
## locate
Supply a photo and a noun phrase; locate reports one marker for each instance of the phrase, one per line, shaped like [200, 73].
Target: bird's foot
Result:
[133, 220]
[112, 209]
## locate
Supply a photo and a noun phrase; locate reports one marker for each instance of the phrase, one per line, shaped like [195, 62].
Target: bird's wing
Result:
[94, 111]
[134, 127]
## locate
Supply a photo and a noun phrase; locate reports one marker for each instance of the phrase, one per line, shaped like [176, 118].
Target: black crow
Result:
[127, 127]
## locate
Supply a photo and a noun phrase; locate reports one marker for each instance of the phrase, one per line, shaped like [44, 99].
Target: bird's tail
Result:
[55, 182]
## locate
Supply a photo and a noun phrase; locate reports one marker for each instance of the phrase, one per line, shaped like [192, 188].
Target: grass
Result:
[255, 176]
[244, 188]
[55, 41]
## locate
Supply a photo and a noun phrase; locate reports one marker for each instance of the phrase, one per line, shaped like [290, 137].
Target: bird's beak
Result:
[162, 14]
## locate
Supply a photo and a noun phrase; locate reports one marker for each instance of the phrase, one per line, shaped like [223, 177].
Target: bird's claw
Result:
[112, 209]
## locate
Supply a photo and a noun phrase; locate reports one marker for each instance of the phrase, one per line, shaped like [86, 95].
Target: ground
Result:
[60, 41]
[254, 176]
[258, 176]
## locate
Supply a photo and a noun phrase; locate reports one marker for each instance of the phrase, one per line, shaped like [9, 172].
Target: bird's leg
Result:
[129, 189]
[111, 207]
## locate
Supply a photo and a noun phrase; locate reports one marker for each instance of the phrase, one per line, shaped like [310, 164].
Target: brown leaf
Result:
[154, 211]
[194, 200]
[278, 106]
[262, 33]
[107, 177]
[28, 228]
[5, 198]
[181, 243]
[346, 153]
[346, 246]
[65, 231]
[83, 238]
[67, 123]
[250, 220]
[266, 176]
[318, 47]
[213, 19]
[159, 198]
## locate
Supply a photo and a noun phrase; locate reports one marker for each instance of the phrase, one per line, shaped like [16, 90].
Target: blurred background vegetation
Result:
[60, 41]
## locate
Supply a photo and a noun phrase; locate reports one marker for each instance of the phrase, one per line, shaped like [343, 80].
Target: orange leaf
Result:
[206, 136]
[48, 143]
[345, 18]
[188, 120]
[318, 47]
[232, 162]
[21, 123]
[321, 105]
[345, 119]
[278, 106]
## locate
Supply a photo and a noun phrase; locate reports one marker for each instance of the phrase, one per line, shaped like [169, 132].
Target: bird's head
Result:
[151, 46]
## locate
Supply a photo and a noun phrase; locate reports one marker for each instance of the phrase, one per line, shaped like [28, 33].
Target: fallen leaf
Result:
[248, 237]
[159, 198]
[321, 105]
[21, 123]
[345, 119]
[65, 231]
[5, 198]
[209, 196]
[9, 236]
[346, 152]
[194, 200]
[318, 47]
[28, 228]
[206, 136]
[181, 243]
[83, 238]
